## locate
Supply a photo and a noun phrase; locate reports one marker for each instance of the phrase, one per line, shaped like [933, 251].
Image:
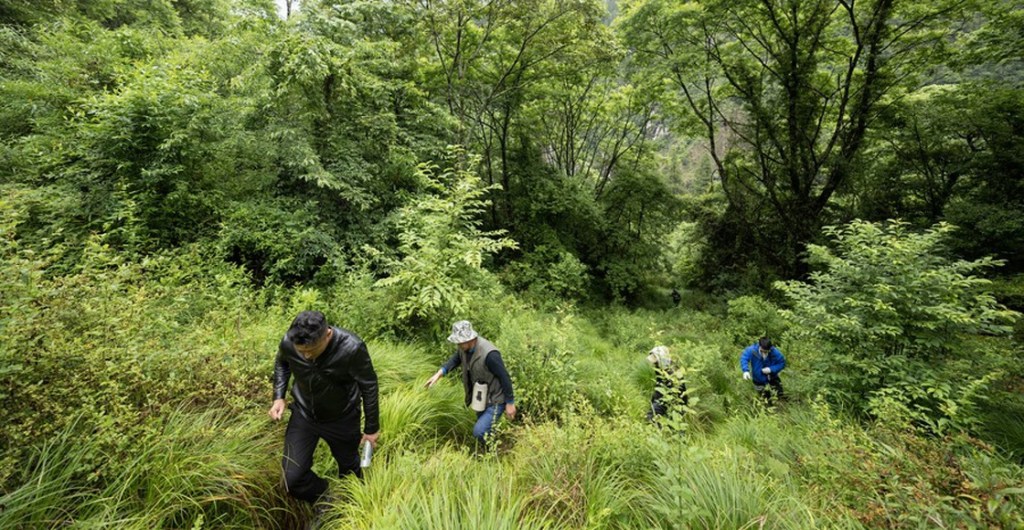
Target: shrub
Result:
[442, 248]
[117, 342]
[541, 355]
[549, 272]
[897, 318]
[276, 243]
[752, 317]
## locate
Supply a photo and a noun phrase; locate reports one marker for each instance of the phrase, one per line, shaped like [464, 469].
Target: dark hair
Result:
[307, 328]
[764, 343]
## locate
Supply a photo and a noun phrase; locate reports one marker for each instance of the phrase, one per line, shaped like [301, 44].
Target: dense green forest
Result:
[179, 178]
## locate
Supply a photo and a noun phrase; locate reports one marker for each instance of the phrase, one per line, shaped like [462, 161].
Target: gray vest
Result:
[475, 370]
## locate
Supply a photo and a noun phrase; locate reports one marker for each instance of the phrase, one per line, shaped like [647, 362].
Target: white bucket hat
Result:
[462, 331]
[659, 357]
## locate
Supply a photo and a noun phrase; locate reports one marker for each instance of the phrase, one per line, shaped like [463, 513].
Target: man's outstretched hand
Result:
[430, 382]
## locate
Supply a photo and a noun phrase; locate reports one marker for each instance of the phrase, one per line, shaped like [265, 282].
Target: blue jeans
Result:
[485, 421]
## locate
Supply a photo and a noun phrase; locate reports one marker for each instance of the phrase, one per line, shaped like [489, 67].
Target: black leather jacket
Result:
[330, 387]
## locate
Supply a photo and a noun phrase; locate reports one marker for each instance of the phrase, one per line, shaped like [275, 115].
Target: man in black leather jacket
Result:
[333, 377]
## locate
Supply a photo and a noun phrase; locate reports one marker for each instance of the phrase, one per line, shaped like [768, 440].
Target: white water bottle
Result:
[479, 400]
[364, 461]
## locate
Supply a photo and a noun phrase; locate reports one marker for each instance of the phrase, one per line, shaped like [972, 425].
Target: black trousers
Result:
[772, 390]
[300, 441]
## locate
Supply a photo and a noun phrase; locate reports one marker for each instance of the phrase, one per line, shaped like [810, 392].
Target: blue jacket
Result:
[752, 357]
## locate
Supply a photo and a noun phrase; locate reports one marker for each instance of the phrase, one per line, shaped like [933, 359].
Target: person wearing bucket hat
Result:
[484, 377]
[669, 387]
[761, 363]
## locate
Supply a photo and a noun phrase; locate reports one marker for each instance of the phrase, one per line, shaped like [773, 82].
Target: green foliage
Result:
[415, 416]
[581, 475]
[755, 317]
[783, 94]
[952, 152]
[1010, 292]
[667, 384]
[683, 250]
[899, 294]
[1001, 421]
[548, 273]
[349, 121]
[989, 208]
[640, 214]
[541, 355]
[594, 473]
[159, 157]
[719, 253]
[159, 15]
[927, 158]
[52, 467]
[184, 467]
[878, 477]
[414, 491]
[442, 248]
[280, 242]
[20, 278]
[724, 490]
[107, 345]
[144, 132]
[896, 316]
[159, 462]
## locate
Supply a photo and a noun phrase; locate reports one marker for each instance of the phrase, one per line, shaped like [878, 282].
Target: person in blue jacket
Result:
[762, 362]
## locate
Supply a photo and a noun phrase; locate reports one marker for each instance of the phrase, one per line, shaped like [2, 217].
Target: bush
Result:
[751, 317]
[541, 355]
[442, 248]
[897, 319]
[118, 342]
[1010, 292]
[277, 243]
[549, 273]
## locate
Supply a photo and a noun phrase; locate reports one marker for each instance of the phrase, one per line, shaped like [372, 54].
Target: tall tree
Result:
[784, 92]
[488, 56]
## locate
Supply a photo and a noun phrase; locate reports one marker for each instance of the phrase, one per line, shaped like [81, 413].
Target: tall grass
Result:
[1003, 424]
[48, 497]
[723, 491]
[399, 363]
[588, 473]
[579, 456]
[535, 485]
[447, 489]
[207, 467]
[415, 418]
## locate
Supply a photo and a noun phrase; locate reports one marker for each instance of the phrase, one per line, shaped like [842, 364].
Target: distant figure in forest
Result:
[484, 377]
[762, 362]
[676, 297]
[334, 384]
[669, 386]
